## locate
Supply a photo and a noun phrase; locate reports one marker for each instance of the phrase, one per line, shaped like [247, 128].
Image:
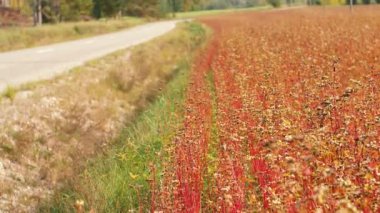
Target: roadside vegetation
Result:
[49, 129]
[120, 180]
[22, 37]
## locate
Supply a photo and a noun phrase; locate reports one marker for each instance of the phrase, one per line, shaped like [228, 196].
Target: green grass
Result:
[120, 180]
[10, 93]
[201, 13]
[14, 38]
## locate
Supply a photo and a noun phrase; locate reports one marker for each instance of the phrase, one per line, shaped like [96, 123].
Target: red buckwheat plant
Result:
[282, 115]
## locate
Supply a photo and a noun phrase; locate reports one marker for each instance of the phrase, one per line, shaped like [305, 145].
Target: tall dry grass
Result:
[14, 38]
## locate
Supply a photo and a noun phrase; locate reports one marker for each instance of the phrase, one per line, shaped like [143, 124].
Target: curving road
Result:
[21, 66]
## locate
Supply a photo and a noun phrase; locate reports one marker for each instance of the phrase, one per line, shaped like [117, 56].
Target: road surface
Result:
[21, 66]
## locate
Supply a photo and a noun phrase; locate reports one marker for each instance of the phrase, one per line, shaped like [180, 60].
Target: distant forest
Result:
[158, 8]
[50, 11]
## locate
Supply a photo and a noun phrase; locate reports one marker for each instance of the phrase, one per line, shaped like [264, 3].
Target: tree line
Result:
[52, 11]
[153, 8]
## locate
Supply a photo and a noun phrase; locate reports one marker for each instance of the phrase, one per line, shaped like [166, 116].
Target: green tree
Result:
[218, 4]
[353, 2]
[275, 3]
[110, 8]
[73, 10]
[151, 8]
[175, 6]
[252, 3]
[96, 9]
[65, 10]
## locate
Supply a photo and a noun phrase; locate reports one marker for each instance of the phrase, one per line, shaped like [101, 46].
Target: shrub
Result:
[275, 3]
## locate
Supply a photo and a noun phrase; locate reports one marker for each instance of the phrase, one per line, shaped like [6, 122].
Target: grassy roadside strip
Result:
[23, 37]
[204, 13]
[121, 179]
[196, 14]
